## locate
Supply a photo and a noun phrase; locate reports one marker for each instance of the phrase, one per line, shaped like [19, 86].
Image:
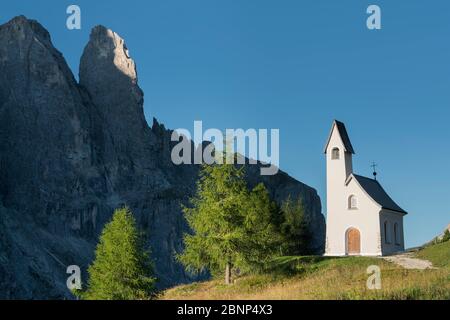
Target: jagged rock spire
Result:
[106, 57]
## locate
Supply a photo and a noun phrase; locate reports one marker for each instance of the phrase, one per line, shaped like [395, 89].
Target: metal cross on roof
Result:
[374, 167]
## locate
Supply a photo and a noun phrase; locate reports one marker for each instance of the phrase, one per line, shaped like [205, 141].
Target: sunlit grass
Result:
[300, 278]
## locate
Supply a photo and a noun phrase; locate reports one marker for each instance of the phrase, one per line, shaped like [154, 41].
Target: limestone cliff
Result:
[72, 152]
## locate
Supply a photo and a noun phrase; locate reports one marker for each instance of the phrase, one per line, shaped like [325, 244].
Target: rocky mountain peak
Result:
[109, 46]
[108, 74]
[26, 52]
[19, 27]
[106, 57]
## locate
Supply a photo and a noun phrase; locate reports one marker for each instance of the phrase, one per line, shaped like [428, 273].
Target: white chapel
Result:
[362, 219]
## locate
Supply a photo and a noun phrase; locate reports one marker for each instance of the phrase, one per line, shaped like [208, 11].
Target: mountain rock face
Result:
[70, 153]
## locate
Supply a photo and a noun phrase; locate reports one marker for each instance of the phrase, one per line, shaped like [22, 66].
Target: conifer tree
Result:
[216, 219]
[295, 228]
[121, 269]
[262, 239]
[231, 227]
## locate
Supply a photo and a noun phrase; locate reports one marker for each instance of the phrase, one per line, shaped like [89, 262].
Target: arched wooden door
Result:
[353, 241]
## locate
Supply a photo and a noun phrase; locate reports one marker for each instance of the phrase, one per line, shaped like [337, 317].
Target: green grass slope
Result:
[304, 278]
[438, 254]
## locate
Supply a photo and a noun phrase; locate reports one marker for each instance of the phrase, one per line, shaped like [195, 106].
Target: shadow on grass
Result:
[294, 265]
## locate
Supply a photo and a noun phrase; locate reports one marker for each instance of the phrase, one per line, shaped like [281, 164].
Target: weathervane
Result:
[374, 166]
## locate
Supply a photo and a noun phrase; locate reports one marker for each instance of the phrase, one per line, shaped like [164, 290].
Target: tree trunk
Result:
[228, 274]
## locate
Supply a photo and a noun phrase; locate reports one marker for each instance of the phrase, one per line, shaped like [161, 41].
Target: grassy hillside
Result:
[298, 278]
[438, 254]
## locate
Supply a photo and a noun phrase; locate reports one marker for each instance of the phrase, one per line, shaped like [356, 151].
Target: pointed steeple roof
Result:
[343, 134]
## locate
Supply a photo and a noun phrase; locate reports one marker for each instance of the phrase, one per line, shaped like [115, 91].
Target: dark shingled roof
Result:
[344, 136]
[377, 193]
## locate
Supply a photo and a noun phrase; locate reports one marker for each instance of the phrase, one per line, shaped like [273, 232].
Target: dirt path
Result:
[409, 261]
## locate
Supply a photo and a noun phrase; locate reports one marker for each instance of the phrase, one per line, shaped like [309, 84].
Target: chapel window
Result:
[386, 233]
[335, 154]
[352, 202]
[396, 234]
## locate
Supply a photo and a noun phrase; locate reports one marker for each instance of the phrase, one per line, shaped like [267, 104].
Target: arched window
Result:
[396, 234]
[335, 154]
[352, 202]
[387, 238]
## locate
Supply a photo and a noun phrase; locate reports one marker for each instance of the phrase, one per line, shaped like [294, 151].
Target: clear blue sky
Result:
[294, 65]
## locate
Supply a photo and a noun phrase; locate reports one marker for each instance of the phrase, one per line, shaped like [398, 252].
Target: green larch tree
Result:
[216, 217]
[295, 228]
[122, 269]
